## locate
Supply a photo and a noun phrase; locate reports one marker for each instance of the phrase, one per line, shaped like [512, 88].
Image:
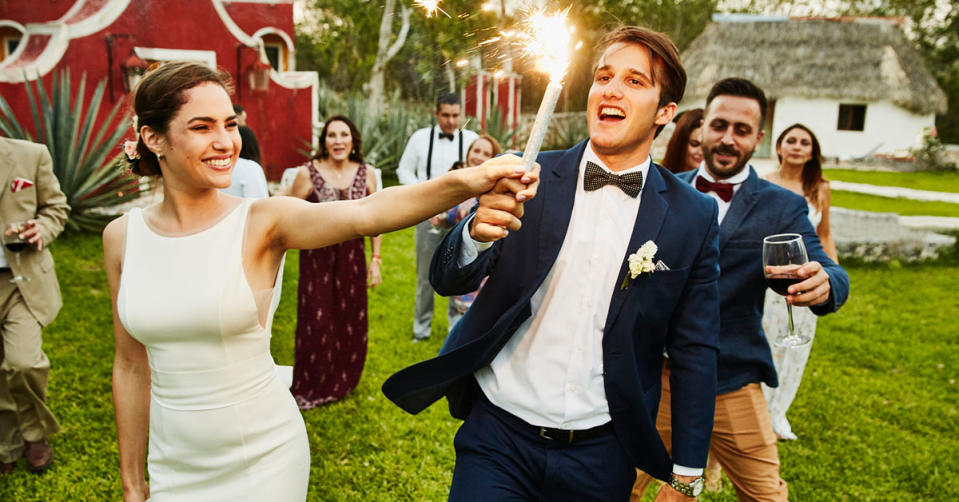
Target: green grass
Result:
[898, 205]
[877, 414]
[937, 181]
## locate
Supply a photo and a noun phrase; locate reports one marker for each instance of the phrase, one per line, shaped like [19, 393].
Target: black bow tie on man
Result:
[596, 177]
[443, 135]
[723, 190]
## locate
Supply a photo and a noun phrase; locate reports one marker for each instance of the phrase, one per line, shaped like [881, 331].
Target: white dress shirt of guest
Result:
[736, 181]
[449, 146]
[249, 181]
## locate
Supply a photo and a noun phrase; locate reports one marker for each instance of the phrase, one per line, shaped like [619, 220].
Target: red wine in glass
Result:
[16, 247]
[780, 282]
[15, 244]
[783, 255]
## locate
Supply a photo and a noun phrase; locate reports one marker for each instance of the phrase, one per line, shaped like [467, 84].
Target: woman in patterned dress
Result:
[331, 321]
[800, 170]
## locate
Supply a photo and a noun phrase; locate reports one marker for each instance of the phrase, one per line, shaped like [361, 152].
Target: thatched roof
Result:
[848, 59]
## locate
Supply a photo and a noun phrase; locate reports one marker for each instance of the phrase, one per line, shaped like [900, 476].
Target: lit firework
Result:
[430, 6]
[546, 38]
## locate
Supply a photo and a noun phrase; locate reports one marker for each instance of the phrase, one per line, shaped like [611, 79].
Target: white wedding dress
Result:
[223, 424]
[790, 362]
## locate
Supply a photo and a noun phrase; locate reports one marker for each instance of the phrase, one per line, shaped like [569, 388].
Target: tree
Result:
[386, 49]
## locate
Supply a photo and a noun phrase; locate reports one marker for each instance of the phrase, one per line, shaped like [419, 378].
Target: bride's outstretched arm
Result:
[294, 224]
[131, 379]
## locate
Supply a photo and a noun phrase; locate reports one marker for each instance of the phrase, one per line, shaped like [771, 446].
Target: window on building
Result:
[273, 55]
[851, 117]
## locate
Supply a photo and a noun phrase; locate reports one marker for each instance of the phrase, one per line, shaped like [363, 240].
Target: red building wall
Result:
[281, 117]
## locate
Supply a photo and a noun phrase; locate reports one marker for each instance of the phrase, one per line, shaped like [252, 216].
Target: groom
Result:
[555, 368]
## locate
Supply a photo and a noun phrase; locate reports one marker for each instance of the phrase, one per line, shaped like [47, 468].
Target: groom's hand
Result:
[501, 208]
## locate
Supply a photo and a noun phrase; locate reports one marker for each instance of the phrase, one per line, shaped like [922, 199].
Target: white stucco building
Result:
[856, 82]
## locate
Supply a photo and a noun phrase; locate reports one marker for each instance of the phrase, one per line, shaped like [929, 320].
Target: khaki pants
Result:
[24, 414]
[743, 442]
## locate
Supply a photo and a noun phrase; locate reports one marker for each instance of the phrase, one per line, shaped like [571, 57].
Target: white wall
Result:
[890, 128]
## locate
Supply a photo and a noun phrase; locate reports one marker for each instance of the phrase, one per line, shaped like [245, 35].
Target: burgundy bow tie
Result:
[723, 190]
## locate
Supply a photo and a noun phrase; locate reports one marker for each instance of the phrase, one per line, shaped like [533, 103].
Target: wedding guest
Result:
[240, 115]
[430, 152]
[484, 148]
[556, 367]
[750, 209]
[684, 152]
[249, 179]
[331, 320]
[191, 280]
[30, 196]
[800, 170]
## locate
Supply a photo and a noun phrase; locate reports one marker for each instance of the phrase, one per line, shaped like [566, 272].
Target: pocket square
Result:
[661, 266]
[20, 184]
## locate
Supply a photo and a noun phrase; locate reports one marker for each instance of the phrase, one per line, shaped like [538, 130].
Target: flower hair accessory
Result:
[640, 262]
[130, 148]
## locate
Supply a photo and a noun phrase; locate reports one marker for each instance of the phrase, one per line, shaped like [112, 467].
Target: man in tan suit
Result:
[30, 194]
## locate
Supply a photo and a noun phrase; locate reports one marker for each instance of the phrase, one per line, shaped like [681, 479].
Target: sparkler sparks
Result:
[547, 38]
[431, 7]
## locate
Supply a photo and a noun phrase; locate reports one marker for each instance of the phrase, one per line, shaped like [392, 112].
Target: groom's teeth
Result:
[612, 112]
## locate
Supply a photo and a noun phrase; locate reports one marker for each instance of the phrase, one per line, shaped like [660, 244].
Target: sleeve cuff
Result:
[471, 248]
[680, 470]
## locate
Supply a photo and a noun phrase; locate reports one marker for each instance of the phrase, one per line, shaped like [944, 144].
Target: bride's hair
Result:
[158, 97]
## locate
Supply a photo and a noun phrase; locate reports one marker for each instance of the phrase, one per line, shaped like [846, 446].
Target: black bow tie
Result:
[597, 177]
[443, 135]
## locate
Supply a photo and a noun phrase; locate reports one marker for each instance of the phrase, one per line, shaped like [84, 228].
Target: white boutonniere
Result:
[640, 262]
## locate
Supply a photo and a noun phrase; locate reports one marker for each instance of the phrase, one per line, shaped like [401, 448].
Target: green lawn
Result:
[898, 205]
[876, 416]
[937, 181]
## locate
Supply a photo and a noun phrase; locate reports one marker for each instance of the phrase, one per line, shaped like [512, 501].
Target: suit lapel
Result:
[742, 204]
[558, 196]
[7, 167]
[649, 220]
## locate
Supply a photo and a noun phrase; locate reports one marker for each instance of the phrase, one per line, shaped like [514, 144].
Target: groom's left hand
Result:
[813, 290]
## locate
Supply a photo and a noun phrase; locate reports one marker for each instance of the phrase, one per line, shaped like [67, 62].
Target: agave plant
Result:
[84, 155]
[499, 127]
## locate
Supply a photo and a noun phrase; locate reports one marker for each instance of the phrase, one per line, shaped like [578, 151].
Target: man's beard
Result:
[720, 172]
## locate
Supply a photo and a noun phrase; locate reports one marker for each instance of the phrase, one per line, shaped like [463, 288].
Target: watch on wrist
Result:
[692, 489]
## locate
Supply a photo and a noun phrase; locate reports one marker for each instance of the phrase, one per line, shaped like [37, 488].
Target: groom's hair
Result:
[665, 64]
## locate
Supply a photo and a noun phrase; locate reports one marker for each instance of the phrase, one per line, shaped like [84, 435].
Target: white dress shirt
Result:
[736, 181]
[412, 166]
[550, 373]
[249, 181]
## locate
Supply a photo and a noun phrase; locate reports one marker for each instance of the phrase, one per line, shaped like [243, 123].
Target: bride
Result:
[192, 279]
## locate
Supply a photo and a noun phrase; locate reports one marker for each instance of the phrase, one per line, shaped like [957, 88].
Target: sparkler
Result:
[548, 38]
[431, 7]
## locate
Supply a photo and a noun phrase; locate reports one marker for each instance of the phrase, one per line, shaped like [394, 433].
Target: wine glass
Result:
[15, 244]
[783, 254]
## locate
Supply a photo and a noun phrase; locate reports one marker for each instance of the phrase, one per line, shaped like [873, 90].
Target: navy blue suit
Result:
[676, 310]
[759, 209]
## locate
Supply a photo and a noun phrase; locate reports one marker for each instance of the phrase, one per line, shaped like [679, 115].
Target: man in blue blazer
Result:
[556, 367]
[750, 209]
